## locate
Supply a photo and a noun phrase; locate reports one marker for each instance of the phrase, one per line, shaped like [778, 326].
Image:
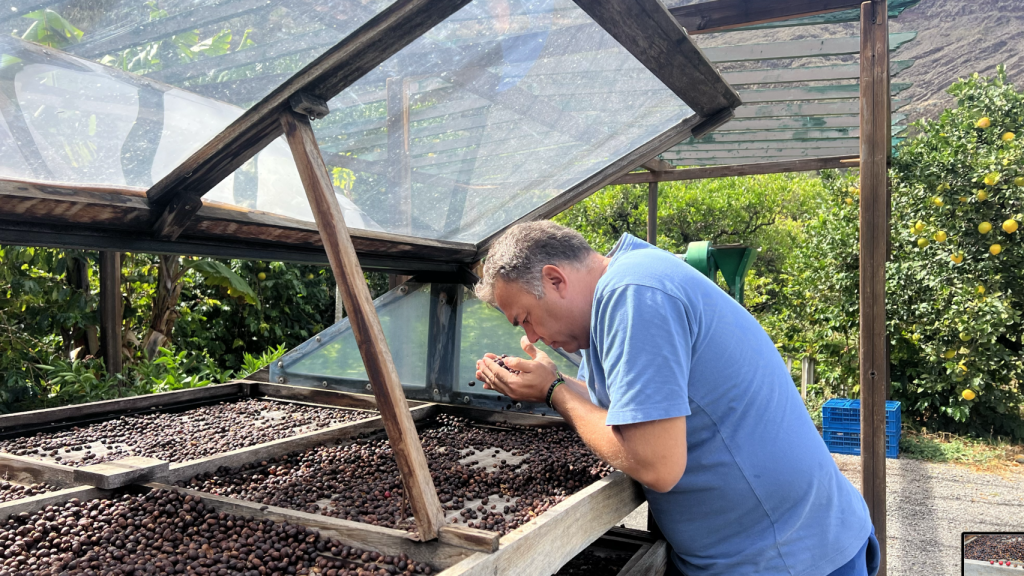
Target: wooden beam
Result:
[36, 503]
[831, 92]
[652, 36]
[874, 242]
[805, 73]
[179, 193]
[111, 310]
[377, 360]
[744, 170]
[766, 152]
[720, 15]
[539, 547]
[656, 165]
[651, 560]
[595, 182]
[797, 48]
[652, 213]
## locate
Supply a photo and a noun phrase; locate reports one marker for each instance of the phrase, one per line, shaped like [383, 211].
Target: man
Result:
[682, 390]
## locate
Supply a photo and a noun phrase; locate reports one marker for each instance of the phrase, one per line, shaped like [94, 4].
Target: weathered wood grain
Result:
[36, 503]
[651, 560]
[812, 48]
[366, 536]
[720, 15]
[111, 311]
[377, 360]
[739, 170]
[655, 38]
[469, 538]
[25, 470]
[874, 251]
[118, 473]
[556, 536]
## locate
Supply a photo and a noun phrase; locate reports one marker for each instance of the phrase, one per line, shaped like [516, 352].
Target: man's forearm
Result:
[573, 402]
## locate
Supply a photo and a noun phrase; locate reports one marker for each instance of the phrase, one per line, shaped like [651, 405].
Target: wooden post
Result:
[380, 368]
[874, 240]
[652, 213]
[339, 306]
[806, 375]
[111, 310]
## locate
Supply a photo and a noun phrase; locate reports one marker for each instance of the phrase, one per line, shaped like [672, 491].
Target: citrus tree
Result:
[957, 273]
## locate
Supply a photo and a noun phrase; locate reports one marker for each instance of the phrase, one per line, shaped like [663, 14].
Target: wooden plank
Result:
[374, 42]
[34, 504]
[797, 49]
[602, 178]
[741, 161]
[837, 92]
[781, 135]
[766, 152]
[555, 537]
[366, 328]
[387, 541]
[469, 538]
[831, 72]
[26, 470]
[764, 145]
[184, 471]
[896, 7]
[118, 473]
[874, 244]
[652, 213]
[651, 560]
[656, 164]
[324, 397]
[720, 15]
[799, 122]
[655, 38]
[744, 170]
[111, 310]
[114, 408]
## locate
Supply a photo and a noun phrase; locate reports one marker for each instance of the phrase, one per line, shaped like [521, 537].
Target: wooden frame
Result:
[534, 548]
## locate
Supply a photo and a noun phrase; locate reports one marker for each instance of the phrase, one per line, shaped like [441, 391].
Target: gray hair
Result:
[524, 250]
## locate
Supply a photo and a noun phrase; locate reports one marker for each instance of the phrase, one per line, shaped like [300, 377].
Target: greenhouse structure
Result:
[404, 136]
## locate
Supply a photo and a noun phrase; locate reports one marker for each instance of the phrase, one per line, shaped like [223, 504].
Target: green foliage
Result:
[946, 447]
[219, 274]
[252, 363]
[51, 29]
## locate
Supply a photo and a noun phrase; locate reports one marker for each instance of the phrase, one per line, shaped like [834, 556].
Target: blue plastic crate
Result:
[840, 442]
[841, 414]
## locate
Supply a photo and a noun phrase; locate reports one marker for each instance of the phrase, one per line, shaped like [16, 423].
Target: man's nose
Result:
[531, 334]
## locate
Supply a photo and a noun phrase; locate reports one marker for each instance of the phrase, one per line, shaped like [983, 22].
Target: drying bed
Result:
[166, 532]
[13, 491]
[494, 477]
[179, 436]
[1006, 548]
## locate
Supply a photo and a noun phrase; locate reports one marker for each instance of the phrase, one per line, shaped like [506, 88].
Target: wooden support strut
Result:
[875, 147]
[380, 367]
[111, 310]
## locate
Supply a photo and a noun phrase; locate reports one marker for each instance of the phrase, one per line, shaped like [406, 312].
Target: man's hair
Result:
[524, 250]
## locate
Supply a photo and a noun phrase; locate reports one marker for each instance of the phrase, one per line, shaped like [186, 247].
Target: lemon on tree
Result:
[922, 242]
[991, 178]
[1010, 226]
[957, 257]
[949, 353]
[939, 236]
[1008, 137]
[937, 201]
[1019, 180]
[983, 122]
[985, 227]
[982, 195]
[995, 249]
[919, 227]
[262, 276]
[969, 394]
[980, 290]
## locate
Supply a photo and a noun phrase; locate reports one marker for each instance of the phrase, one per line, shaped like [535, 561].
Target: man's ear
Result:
[555, 279]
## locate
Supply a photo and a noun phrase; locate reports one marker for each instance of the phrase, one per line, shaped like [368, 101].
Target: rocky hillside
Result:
[955, 39]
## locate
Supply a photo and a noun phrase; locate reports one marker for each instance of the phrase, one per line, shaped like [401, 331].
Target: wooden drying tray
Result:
[94, 217]
[548, 541]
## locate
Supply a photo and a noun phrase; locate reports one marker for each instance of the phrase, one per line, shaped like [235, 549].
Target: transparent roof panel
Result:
[235, 51]
[490, 114]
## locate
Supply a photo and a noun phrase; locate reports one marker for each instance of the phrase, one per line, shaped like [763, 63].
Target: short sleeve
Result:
[646, 338]
[581, 374]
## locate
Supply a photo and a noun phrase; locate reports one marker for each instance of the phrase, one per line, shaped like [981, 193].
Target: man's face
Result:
[556, 319]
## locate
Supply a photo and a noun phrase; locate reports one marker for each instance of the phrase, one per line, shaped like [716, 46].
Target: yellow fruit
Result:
[957, 258]
[919, 227]
[984, 227]
[968, 395]
[261, 276]
[854, 190]
[849, 200]
[1010, 226]
[962, 368]
[963, 198]
[309, 276]
[991, 179]
[982, 195]
[940, 236]
[995, 249]
[984, 123]
[1019, 180]
[949, 353]
[979, 290]
[937, 201]
[965, 336]
[922, 242]
[943, 187]
[1008, 137]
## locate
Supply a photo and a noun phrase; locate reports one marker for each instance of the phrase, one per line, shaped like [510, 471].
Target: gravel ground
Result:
[928, 506]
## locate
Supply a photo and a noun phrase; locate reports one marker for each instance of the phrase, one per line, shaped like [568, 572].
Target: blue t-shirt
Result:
[761, 493]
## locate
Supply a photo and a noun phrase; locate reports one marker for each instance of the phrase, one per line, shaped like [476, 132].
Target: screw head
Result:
[324, 384]
[280, 363]
[519, 405]
[466, 399]
[403, 290]
[280, 379]
[369, 387]
[437, 392]
[317, 337]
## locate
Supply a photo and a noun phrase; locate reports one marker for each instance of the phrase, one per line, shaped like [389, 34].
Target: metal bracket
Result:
[308, 105]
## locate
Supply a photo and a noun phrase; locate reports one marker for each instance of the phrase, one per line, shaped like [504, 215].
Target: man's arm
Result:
[653, 453]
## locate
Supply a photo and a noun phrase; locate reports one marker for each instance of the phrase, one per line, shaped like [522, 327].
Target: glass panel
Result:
[485, 329]
[235, 51]
[493, 112]
[404, 320]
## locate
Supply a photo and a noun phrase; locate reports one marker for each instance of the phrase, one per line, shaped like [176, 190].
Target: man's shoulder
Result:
[649, 268]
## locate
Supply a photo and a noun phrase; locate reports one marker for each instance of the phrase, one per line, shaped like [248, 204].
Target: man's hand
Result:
[530, 385]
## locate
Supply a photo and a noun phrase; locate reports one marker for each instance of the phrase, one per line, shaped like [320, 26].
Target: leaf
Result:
[218, 274]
